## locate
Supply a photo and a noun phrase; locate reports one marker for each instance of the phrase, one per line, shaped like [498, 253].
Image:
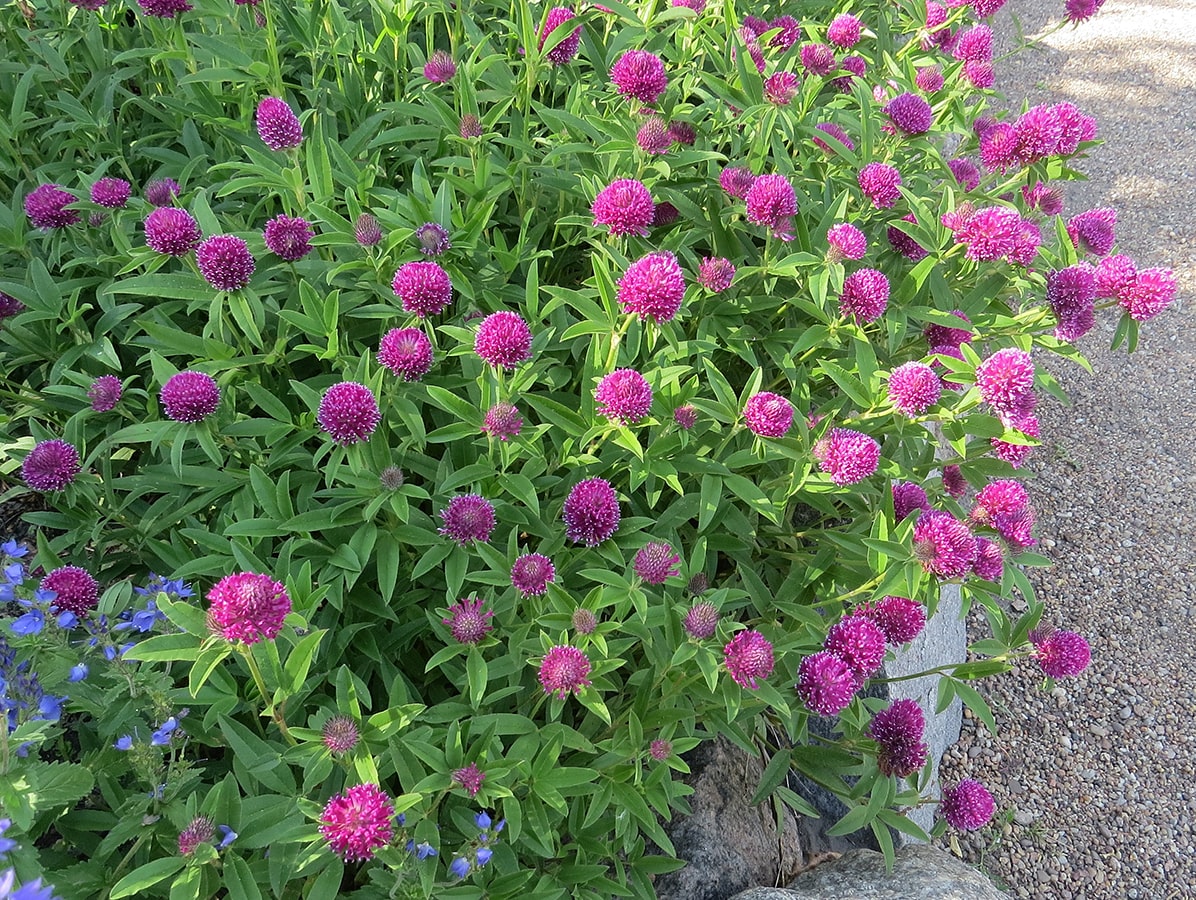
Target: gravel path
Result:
[1096, 783]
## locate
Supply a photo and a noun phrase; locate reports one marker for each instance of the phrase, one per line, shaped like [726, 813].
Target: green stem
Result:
[274, 711]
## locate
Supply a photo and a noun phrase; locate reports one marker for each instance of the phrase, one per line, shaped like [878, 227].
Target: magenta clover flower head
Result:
[1150, 292]
[639, 74]
[656, 563]
[990, 560]
[468, 622]
[624, 206]
[503, 340]
[161, 191]
[948, 335]
[903, 722]
[407, 352]
[683, 133]
[899, 618]
[248, 607]
[467, 518]
[190, 396]
[772, 202]
[358, 822]
[366, 231]
[1038, 131]
[433, 239]
[566, 49]
[423, 287]
[1082, 10]
[348, 412]
[685, 416]
[112, 193]
[224, 261]
[164, 9]
[171, 231]
[340, 734]
[1006, 383]
[832, 129]
[288, 237]
[502, 421]
[10, 306]
[46, 206]
[929, 79]
[736, 181]
[914, 388]
[780, 88]
[879, 184]
[1092, 231]
[944, 545]
[748, 657]
[653, 137]
[865, 295]
[859, 642]
[844, 31]
[998, 148]
[845, 241]
[200, 830]
[967, 806]
[1075, 128]
[826, 683]
[907, 497]
[986, 8]
[584, 621]
[1016, 454]
[104, 393]
[1114, 275]
[1062, 654]
[440, 68]
[701, 621]
[277, 124]
[624, 396]
[715, 273]
[856, 66]
[665, 214]
[564, 670]
[470, 127]
[660, 749]
[76, 590]
[903, 243]
[818, 59]
[790, 31]
[653, 287]
[51, 465]
[975, 45]
[953, 481]
[591, 512]
[1071, 294]
[847, 456]
[910, 114]
[531, 574]
[469, 779]
[981, 74]
[768, 414]
[965, 172]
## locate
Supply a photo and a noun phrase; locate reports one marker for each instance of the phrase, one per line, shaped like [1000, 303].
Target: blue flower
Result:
[161, 737]
[6, 844]
[13, 549]
[34, 890]
[78, 673]
[459, 867]
[124, 742]
[483, 820]
[502, 823]
[423, 850]
[401, 819]
[14, 573]
[227, 836]
[49, 708]
[30, 623]
[67, 620]
[484, 854]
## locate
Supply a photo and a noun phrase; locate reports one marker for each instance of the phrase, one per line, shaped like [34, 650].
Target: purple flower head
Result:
[772, 202]
[624, 396]
[981, 75]
[701, 621]
[967, 806]
[164, 9]
[76, 591]
[865, 295]
[288, 237]
[531, 574]
[715, 274]
[768, 414]
[348, 413]
[224, 261]
[625, 206]
[161, 191]
[51, 465]
[201, 830]
[358, 822]
[859, 642]
[391, 478]
[990, 560]
[468, 622]
[653, 287]
[564, 670]
[46, 206]
[653, 137]
[818, 59]
[847, 456]
[903, 722]
[683, 133]
[965, 172]
[998, 148]
[1006, 383]
[975, 45]
[929, 79]
[190, 396]
[1114, 275]
[10, 306]
[340, 734]
[1015, 454]
[112, 193]
[423, 287]
[664, 214]
[748, 657]
[947, 335]
[914, 388]
[899, 618]
[639, 74]
[736, 181]
[910, 114]
[752, 44]
[780, 88]
[997, 232]
[584, 621]
[171, 231]
[469, 778]
[502, 421]
[856, 66]
[591, 512]
[844, 31]
[433, 239]
[907, 497]
[1038, 131]
[468, 518]
[1092, 231]
[903, 243]
[248, 607]
[440, 68]
[789, 33]
[944, 545]
[660, 750]
[277, 125]
[470, 127]
[366, 231]
[656, 563]
[1075, 128]
[564, 51]
[879, 184]
[104, 393]
[1062, 654]
[1082, 10]
[845, 242]
[407, 352]
[685, 416]
[826, 684]
[830, 128]
[503, 340]
[1150, 292]
[1071, 294]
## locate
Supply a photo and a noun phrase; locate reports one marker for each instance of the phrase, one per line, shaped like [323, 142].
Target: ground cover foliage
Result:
[507, 399]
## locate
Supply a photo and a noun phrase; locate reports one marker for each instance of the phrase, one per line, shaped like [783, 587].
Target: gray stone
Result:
[919, 873]
[728, 845]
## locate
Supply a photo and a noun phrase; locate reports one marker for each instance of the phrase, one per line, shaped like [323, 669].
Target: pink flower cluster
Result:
[1143, 294]
[1039, 133]
[997, 232]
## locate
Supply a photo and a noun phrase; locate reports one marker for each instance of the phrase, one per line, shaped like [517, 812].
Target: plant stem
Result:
[274, 711]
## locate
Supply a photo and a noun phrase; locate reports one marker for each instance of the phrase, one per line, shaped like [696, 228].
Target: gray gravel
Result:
[1096, 783]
